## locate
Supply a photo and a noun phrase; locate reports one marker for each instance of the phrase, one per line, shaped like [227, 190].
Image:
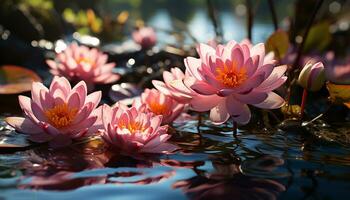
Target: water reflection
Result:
[226, 182]
[212, 165]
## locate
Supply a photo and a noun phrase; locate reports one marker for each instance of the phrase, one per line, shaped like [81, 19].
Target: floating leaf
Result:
[339, 93]
[318, 38]
[278, 42]
[15, 79]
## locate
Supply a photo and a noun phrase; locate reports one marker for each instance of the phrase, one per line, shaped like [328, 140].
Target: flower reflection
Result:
[89, 164]
[227, 182]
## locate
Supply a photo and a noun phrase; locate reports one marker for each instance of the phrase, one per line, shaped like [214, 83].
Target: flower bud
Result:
[312, 76]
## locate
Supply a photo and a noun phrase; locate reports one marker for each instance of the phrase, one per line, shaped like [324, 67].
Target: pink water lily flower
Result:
[81, 63]
[160, 104]
[134, 131]
[145, 36]
[232, 76]
[57, 114]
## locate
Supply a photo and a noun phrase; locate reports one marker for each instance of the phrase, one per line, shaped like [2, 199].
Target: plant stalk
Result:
[273, 14]
[235, 127]
[303, 103]
[249, 19]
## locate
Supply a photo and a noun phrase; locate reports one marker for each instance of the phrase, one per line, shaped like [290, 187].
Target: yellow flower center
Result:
[61, 115]
[133, 127]
[157, 108]
[84, 59]
[231, 77]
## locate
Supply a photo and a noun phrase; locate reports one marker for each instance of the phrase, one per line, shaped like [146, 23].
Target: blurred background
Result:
[31, 29]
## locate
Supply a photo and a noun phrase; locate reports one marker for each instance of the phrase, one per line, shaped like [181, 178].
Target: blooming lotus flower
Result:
[145, 36]
[232, 76]
[58, 114]
[131, 130]
[81, 63]
[312, 76]
[160, 104]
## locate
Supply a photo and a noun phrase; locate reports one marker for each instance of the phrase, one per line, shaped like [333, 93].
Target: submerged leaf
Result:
[278, 43]
[15, 79]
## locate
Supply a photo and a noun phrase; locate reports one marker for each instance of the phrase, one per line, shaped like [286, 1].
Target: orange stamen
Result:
[158, 108]
[231, 77]
[61, 115]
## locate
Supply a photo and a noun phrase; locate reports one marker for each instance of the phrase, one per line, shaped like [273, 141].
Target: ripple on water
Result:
[212, 164]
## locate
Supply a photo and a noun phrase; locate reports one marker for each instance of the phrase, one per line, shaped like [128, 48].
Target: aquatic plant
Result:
[160, 104]
[132, 130]
[145, 36]
[232, 76]
[81, 63]
[57, 114]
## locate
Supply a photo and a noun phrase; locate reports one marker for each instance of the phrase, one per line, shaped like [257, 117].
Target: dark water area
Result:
[212, 165]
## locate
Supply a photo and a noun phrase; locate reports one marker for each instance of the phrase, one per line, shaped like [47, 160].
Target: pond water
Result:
[210, 165]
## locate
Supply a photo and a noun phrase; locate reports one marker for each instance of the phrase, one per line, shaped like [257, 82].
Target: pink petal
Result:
[274, 85]
[52, 64]
[192, 65]
[239, 111]
[274, 76]
[38, 112]
[50, 130]
[219, 114]
[251, 98]
[251, 65]
[204, 49]
[202, 103]
[168, 77]
[203, 88]
[237, 58]
[74, 101]
[25, 104]
[244, 117]
[23, 125]
[94, 98]
[273, 101]
[245, 87]
[161, 87]
[258, 49]
[81, 89]
[36, 89]
[106, 115]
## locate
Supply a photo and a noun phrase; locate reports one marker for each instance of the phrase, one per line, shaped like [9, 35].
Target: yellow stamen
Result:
[61, 115]
[158, 108]
[231, 77]
[83, 59]
[133, 127]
